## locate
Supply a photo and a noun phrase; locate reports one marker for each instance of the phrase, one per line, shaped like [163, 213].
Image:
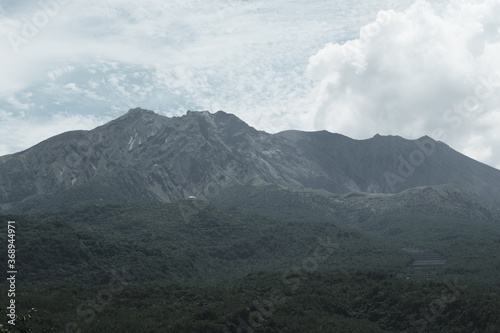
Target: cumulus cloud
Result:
[427, 70]
[101, 57]
[405, 74]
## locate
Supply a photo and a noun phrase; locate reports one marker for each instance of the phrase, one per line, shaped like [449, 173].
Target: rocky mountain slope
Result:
[143, 156]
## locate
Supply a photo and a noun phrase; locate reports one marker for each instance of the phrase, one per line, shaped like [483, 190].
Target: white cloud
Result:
[417, 72]
[99, 58]
[240, 56]
[19, 105]
[54, 74]
[19, 133]
[478, 147]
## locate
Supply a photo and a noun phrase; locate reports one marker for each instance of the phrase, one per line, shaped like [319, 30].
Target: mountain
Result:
[359, 209]
[303, 231]
[144, 157]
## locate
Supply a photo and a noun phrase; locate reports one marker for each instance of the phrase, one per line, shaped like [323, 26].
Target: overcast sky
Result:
[408, 68]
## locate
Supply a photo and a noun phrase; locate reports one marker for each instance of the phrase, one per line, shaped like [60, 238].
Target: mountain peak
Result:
[198, 112]
[227, 122]
[139, 112]
[134, 117]
[149, 157]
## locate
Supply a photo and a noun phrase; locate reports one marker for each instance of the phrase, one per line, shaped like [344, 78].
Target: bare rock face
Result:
[142, 156]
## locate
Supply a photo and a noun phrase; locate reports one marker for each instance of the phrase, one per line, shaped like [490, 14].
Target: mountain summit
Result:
[143, 156]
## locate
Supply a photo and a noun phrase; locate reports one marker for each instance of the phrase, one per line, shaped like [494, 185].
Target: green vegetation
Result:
[423, 218]
[275, 261]
[266, 302]
[184, 241]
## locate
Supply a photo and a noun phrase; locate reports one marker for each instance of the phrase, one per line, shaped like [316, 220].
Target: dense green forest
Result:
[278, 261]
[262, 302]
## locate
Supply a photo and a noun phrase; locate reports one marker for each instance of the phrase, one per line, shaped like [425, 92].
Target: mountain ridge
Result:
[143, 156]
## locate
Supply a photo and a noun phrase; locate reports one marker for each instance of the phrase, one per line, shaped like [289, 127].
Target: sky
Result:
[359, 68]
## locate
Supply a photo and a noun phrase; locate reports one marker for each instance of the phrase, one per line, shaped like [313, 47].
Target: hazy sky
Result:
[408, 68]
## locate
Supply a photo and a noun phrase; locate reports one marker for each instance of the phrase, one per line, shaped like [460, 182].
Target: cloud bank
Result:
[428, 70]
[418, 68]
[96, 59]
